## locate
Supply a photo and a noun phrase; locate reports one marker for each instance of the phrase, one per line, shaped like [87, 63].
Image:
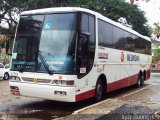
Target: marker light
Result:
[15, 78]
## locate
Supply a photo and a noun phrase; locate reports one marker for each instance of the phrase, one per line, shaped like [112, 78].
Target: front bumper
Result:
[44, 91]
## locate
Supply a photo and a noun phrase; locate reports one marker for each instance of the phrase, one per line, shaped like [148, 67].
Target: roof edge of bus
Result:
[56, 9]
[74, 9]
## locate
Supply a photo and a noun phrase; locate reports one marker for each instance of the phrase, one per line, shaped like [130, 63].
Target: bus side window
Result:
[86, 47]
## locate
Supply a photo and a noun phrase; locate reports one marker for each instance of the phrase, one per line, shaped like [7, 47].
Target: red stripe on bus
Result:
[148, 74]
[122, 83]
[112, 86]
[85, 95]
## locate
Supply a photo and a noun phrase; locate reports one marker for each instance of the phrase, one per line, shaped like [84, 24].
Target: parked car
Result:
[4, 71]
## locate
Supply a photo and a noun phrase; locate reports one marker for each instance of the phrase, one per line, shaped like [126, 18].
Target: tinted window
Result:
[30, 24]
[104, 34]
[139, 47]
[26, 42]
[92, 29]
[60, 22]
[85, 23]
[131, 42]
[142, 46]
[127, 37]
[57, 43]
[114, 37]
[118, 37]
[85, 38]
[28, 34]
[148, 47]
[86, 44]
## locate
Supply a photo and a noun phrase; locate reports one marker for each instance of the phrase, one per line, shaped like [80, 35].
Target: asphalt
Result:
[137, 104]
[125, 104]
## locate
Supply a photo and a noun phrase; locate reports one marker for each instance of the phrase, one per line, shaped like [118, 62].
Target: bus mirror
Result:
[85, 33]
[84, 36]
[7, 46]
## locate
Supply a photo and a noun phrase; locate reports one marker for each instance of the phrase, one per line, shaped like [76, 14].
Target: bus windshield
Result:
[54, 35]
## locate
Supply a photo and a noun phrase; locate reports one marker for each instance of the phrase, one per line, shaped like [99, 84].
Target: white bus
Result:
[72, 54]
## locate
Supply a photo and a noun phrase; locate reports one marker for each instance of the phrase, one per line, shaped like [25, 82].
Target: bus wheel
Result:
[143, 79]
[6, 76]
[99, 91]
[140, 81]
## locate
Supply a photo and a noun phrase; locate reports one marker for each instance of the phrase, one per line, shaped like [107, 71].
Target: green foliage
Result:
[157, 29]
[113, 9]
[156, 53]
[9, 11]
[2, 44]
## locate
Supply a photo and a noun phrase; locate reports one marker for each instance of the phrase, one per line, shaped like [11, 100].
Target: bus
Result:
[71, 54]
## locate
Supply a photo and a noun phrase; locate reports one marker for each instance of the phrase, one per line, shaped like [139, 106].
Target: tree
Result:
[157, 29]
[113, 9]
[2, 41]
[9, 12]
[156, 53]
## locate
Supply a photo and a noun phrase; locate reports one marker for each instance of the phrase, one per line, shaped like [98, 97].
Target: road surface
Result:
[146, 98]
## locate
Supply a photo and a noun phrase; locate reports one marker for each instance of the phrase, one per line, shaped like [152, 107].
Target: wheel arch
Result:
[6, 72]
[140, 73]
[144, 75]
[103, 79]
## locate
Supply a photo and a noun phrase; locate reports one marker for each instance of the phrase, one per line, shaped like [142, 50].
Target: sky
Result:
[152, 10]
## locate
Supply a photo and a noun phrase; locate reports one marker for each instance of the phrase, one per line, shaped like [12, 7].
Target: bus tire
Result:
[140, 81]
[99, 91]
[144, 75]
[6, 76]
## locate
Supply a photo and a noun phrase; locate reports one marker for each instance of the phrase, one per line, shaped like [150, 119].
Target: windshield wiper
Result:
[25, 64]
[44, 62]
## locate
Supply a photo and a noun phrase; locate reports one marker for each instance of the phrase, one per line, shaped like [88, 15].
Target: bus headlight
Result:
[63, 82]
[15, 78]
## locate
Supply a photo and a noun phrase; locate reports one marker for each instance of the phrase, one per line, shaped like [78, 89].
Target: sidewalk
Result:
[140, 104]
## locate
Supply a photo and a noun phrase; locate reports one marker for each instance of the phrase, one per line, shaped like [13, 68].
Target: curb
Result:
[96, 104]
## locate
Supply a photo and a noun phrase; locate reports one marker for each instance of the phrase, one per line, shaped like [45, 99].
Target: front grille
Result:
[36, 80]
